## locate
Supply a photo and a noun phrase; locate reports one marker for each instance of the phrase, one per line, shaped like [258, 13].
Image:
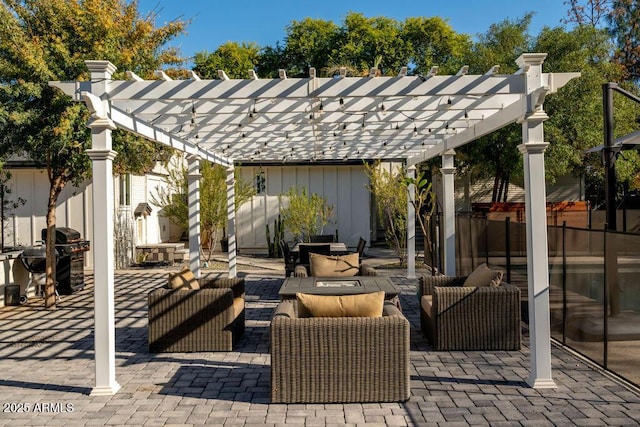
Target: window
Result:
[261, 182]
[125, 190]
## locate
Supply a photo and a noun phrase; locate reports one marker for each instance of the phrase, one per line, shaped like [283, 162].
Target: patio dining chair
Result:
[322, 238]
[289, 258]
[360, 248]
[316, 249]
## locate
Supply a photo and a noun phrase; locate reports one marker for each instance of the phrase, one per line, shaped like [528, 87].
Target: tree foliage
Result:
[432, 41]
[424, 204]
[174, 201]
[624, 26]
[496, 155]
[389, 190]
[236, 59]
[44, 40]
[304, 215]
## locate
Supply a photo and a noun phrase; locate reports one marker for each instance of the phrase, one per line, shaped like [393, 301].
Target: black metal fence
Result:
[594, 280]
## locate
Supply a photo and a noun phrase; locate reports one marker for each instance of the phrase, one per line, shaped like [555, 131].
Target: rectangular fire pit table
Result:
[339, 286]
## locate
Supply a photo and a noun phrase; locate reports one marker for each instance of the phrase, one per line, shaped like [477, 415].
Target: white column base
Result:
[105, 390]
[540, 383]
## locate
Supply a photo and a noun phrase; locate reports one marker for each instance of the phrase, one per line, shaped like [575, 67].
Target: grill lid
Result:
[63, 235]
[34, 258]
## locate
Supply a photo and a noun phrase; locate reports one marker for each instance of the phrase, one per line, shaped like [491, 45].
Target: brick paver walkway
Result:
[46, 363]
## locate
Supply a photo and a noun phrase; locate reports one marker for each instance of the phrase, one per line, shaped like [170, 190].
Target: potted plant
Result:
[304, 215]
[213, 201]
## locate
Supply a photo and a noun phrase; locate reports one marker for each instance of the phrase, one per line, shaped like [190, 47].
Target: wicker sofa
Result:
[208, 319]
[339, 359]
[457, 317]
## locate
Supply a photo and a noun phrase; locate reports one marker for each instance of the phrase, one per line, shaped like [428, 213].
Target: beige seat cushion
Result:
[238, 306]
[426, 302]
[183, 279]
[484, 276]
[334, 266]
[360, 305]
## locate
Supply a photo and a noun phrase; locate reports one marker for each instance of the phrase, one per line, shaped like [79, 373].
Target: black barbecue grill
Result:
[70, 266]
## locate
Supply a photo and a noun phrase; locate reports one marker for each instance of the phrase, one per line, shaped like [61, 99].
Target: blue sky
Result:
[264, 21]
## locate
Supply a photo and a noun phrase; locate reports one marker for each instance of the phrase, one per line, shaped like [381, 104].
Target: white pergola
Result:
[408, 118]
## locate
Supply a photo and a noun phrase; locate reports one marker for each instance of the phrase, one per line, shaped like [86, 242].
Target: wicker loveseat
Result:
[339, 359]
[208, 319]
[457, 317]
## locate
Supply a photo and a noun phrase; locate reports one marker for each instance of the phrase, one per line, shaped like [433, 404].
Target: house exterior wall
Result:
[344, 187]
[24, 226]
[75, 209]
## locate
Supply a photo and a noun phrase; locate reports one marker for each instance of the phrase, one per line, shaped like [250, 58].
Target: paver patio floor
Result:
[46, 361]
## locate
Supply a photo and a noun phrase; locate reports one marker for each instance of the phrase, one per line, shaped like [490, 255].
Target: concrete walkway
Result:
[46, 360]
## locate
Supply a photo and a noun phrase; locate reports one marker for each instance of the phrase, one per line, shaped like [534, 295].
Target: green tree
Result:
[424, 204]
[304, 214]
[432, 41]
[496, 155]
[624, 26]
[235, 59]
[575, 115]
[213, 199]
[364, 42]
[390, 197]
[44, 40]
[309, 43]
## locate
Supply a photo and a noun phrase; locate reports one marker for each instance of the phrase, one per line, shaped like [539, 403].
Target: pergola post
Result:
[102, 156]
[193, 197]
[231, 221]
[448, 171]
[411, 226]
[532, 149]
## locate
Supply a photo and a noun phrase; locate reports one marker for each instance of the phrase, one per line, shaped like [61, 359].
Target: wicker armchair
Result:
[455, 317]
[339, 359]
[208, 319]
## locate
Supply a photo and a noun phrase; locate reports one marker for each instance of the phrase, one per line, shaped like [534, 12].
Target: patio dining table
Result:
[336, 247]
